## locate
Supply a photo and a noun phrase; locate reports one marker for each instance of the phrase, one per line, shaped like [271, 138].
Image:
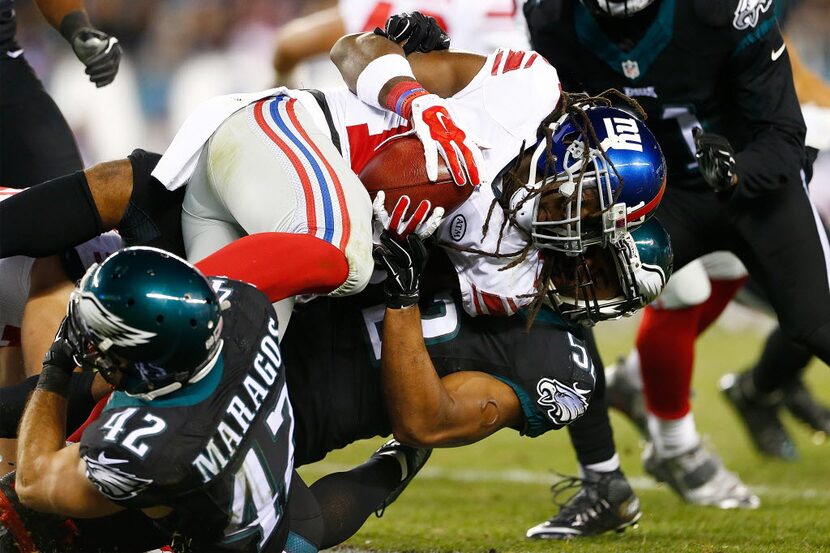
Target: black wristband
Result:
[72, 23]
[55, 380]
[401, 301]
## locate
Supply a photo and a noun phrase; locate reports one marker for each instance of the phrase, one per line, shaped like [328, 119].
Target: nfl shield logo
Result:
[631, 69]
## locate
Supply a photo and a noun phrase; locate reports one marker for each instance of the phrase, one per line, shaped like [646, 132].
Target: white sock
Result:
[673, 436]
[631, 369]
[609, 465]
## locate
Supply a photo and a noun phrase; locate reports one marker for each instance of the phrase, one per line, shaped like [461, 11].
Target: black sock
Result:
[591, 434]
[13, 400]
[781, 363]
[347, 499]
[48, 218]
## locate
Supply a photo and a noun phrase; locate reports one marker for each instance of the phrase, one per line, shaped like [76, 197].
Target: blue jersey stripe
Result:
[318, 172]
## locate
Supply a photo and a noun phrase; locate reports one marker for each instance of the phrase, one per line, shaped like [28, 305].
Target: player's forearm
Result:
[352, 53]
[417, 403]
[55, 10]
[305, 37]
[771, 161]
[42, 433]
[440, 72]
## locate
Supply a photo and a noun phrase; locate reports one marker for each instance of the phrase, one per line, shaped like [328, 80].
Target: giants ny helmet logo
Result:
[106, 327]
[566, 403]
[749, 13]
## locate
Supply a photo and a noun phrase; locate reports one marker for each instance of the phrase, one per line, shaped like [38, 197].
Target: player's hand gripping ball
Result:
[440, 135]
[400, 248]
[398, 169]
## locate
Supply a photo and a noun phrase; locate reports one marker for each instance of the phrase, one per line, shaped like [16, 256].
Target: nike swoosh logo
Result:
[777, 53]
[441, 118]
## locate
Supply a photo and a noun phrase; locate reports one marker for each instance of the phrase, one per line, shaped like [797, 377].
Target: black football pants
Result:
[781, 241]
[35, 141]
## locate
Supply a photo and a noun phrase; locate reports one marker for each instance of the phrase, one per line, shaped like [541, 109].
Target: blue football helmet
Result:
[623, 171]
[642, 263]
[147, 320]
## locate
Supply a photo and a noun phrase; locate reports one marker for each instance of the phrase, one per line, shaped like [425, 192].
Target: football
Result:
[398, 168]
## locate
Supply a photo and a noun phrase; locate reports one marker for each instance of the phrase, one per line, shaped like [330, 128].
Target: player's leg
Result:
[784, 245]
[676, 454]
[274, 170]
[71, 209]
[268, 168]
[781, 354]
[348, 498]
[604, 499]
[36, 143]
[48, 296]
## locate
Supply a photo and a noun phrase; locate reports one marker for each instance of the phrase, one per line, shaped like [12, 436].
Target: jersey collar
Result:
[657, 37]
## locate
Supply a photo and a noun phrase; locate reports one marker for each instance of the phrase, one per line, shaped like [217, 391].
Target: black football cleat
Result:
[759, 415]
[603, 502]
[803, 406]
[699, 478]
[412, 459]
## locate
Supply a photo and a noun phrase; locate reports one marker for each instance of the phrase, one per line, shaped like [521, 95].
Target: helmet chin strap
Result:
[170, 388]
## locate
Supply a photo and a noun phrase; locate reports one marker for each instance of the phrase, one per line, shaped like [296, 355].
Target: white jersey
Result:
[501, 107]
[478, 26]
[15, 277]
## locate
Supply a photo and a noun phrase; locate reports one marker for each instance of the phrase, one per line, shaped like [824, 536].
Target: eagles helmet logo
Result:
[107, 326]
[111, 481]
[748, 13]
[566, 403]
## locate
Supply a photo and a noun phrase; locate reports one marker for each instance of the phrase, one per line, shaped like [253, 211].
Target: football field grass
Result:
[483, 497]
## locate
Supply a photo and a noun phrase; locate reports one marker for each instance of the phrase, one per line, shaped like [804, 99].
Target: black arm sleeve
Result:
[13, 400]
[762, 83]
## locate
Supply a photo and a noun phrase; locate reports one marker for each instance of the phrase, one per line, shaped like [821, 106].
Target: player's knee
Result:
[361, 267]
[688, 287]
[110, 184]
[815, 339]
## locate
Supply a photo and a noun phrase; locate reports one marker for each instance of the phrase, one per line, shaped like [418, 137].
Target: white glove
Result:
[422, 222]
[439, 134]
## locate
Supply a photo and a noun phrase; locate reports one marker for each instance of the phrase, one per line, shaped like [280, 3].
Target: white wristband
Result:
[377, 74]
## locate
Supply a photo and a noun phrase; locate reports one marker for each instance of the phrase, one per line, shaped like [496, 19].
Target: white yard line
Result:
[545, 478]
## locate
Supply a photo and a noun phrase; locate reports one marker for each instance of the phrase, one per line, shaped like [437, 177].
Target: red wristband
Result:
[400, 97]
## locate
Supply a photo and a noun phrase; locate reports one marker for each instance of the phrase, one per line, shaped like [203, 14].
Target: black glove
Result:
[420, 32]
[97, 50]
[716, 160]
[60, 354]
[404, 261]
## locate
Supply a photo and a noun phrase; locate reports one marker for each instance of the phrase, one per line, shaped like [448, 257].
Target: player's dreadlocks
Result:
[572, 106]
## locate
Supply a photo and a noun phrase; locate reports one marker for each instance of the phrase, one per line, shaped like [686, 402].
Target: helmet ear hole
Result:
[193, 323]
[130, 302]
[159, 319]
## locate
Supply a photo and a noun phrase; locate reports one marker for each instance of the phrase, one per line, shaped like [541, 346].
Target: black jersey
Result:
[717, 64]
[219, 450]
[332, 351]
